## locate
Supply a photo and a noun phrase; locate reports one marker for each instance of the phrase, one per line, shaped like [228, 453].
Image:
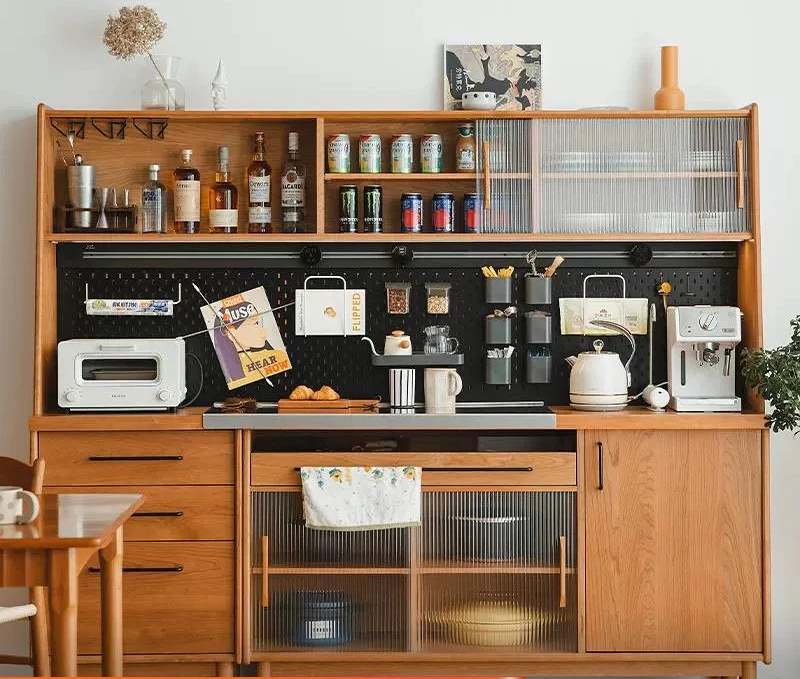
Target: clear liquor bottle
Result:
[293, 190]
[259, 188]
[154, 204]
[187, 195]
[223, 199]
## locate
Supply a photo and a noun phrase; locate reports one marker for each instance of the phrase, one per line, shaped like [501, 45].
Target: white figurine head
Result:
[219, 88]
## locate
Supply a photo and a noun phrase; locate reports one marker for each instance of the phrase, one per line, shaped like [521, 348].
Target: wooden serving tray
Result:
[340, 405]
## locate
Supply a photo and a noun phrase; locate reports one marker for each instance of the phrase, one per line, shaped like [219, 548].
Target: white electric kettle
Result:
[599, 381]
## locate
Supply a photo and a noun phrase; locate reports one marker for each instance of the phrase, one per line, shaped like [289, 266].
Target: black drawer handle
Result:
[144, 569]
[599, 465]
[135, 458]
[468, 469]
[149, 514]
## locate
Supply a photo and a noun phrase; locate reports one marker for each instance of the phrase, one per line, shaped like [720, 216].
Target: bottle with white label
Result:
[186, 195]
[154, 204]
[259, 189]
[223, 199]
[293, 190]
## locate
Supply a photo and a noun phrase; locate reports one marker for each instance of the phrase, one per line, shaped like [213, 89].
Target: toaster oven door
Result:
[138, 370]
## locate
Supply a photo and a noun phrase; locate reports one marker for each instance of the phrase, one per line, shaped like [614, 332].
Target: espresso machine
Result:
[701, 357]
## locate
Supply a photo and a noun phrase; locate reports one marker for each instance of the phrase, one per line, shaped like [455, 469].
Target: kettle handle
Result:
[622, 330]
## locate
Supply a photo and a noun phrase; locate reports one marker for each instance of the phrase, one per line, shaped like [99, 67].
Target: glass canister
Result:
[163, 91]
[438, 296]
[398, 298]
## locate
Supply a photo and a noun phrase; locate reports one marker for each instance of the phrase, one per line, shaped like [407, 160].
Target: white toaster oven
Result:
[121, 374]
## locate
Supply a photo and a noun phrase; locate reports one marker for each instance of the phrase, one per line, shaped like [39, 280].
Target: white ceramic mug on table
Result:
[12, 505]
[442, 385]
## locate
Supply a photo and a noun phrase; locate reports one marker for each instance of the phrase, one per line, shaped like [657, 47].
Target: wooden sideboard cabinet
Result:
[673, 541]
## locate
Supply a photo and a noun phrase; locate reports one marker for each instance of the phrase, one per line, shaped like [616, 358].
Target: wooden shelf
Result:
[427, 567]
[332, 569]
[422, 176]
[636, 175]
[733, 237]
[397, 176]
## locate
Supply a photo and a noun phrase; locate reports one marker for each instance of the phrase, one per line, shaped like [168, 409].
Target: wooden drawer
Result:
[169, 611]
[438, 469]
[123, 458]
[173, 512]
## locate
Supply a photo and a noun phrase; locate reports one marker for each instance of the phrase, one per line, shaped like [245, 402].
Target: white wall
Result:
[356, 54]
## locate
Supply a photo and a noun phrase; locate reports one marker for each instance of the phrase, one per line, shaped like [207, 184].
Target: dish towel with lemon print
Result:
[361, 498]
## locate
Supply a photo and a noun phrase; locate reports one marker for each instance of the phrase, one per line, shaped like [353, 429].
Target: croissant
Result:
[301, 393]
[325, 393]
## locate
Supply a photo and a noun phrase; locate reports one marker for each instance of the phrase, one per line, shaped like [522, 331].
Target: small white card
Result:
[329, 312]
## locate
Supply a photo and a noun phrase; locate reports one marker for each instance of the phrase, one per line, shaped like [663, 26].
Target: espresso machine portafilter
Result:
[701, 358]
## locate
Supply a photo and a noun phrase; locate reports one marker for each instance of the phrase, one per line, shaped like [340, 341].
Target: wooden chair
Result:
[30, 477]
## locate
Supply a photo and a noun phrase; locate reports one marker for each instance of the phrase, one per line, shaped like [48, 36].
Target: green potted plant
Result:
[775, 375]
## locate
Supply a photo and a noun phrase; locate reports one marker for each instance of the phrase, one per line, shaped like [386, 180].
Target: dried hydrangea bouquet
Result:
[134, 31]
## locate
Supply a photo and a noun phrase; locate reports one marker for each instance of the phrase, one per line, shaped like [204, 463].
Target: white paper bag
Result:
[329, 312]
[630, 312]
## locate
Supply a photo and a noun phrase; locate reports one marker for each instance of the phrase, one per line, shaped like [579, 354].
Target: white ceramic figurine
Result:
[219, 88]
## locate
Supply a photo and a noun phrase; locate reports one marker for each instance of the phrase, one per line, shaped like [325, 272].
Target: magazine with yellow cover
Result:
[246, 337]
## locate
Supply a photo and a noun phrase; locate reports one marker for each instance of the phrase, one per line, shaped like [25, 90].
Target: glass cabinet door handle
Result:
[265, 570]
[487, 177]
[562, 571]
[151, 514]
[739, 173]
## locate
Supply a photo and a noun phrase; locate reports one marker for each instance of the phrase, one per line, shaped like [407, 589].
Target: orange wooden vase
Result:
[670, 97]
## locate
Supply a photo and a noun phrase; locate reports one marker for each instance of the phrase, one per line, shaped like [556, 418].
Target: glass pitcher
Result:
[438, 340]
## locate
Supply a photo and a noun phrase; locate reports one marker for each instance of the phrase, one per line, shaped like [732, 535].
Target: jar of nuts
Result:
[438, 297]
[398, 298]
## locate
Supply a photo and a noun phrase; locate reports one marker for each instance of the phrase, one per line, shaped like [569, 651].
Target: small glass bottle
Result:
[154, 204]
[465, 148]
[223, 199]
[259, 187]
[187, 195]
[293, 190]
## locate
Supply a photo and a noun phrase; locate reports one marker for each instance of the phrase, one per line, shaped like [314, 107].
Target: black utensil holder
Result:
[538, 290]
[498, 370]
[499, 290]
[498, 330]
[538, 328]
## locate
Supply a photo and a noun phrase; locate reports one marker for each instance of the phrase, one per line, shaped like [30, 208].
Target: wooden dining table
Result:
[54, 550]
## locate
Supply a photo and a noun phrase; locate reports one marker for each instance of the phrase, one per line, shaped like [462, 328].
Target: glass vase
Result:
[167, 94]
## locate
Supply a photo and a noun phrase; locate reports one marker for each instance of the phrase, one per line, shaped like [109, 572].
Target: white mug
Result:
[12, 500]
[402, 385]
[442, 385]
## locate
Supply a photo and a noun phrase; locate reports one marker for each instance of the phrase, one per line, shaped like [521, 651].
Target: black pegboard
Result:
[344, 363]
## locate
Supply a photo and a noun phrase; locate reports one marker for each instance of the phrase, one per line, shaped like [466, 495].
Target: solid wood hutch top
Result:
[646, 546]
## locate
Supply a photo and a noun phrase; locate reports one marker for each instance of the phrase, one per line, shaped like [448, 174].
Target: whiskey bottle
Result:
[154, 204]
[223, 199]
[187, 195]
[293, 190]
[259, 188]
